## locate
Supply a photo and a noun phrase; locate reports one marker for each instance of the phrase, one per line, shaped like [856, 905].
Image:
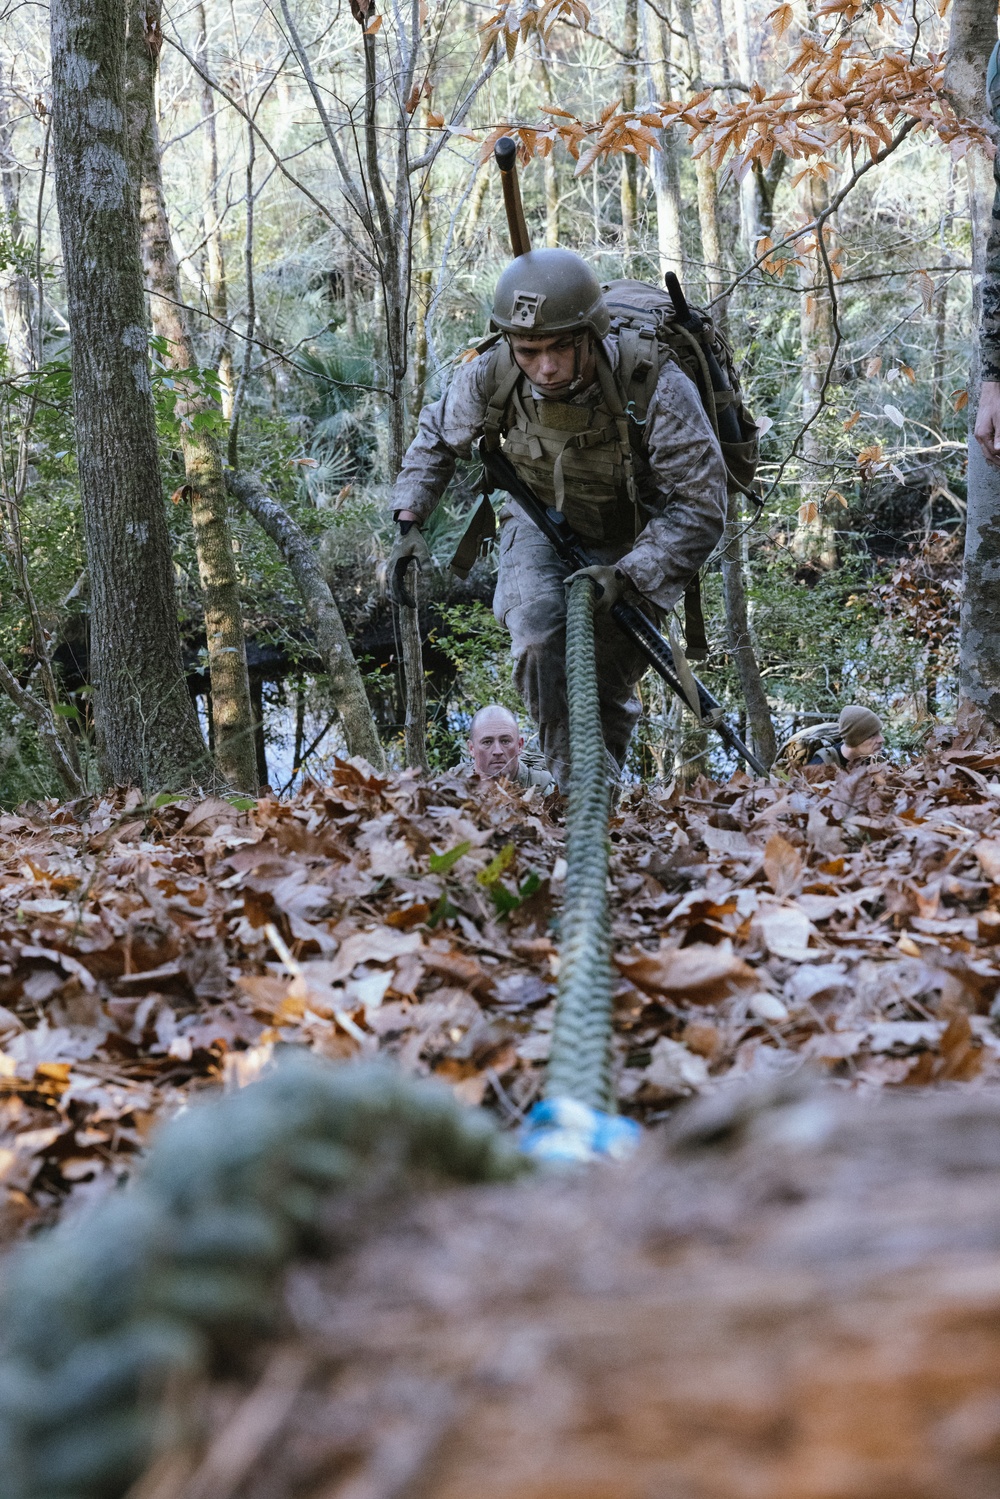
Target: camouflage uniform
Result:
[989, 336]
[828, 754]
[683, 503]
[534, 775]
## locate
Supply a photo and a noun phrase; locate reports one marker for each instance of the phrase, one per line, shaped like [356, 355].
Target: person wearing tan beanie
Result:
[860, 732]
[853, 738]
[856, 736]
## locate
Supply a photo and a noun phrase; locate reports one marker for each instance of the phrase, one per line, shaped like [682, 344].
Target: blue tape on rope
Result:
[562, 1131]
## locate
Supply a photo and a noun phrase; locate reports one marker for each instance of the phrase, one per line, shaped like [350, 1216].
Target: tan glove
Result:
[612, 585]
[410, 547]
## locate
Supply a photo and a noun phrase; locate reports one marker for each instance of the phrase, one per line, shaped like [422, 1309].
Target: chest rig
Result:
[581, 460]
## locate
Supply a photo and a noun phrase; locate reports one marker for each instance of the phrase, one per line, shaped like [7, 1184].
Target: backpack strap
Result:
[615, 403]
[505, 377]
[639, 364]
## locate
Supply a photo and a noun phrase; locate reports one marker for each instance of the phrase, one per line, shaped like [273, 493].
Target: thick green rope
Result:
[116, 1305]
[580, 1060]
[101, 1317]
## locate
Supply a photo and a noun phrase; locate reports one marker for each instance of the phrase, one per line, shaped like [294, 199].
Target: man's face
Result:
[551, 364]
[495, 746]
[866, 749]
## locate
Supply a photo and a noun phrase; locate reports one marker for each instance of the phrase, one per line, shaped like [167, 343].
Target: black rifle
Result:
[502, 474]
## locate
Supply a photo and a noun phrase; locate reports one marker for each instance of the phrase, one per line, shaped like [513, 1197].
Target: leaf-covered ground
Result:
[851, 921]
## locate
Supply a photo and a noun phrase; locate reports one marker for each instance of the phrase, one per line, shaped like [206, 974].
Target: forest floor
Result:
[850, 922]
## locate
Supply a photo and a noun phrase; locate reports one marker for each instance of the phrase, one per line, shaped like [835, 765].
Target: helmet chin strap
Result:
[582, 337]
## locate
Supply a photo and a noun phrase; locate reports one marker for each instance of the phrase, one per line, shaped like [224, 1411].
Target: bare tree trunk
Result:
[470, 233]
[394, 261]
[815, 540]
[766, 182]
[972, 37]
[941, 314]
[664, 165]
[689, 745]
[940, 356]
[416, 697]
[422, 285]
[629, 165]
[708, 193]
[347, 689]
[350, 296]
[394, 250]
[147, 728]
[47, 728]
[17, 300]
[550, 169]
[416, 726]
[232, 714]
[218, 301]
[711, 239]
[740, 631]
[381, 197]
[21, 308]
[751, 226]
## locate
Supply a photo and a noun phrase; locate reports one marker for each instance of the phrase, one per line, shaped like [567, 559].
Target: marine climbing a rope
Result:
[597, 418]
[620, 479]
[610, 418]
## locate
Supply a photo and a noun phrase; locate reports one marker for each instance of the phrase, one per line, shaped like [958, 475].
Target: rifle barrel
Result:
[505, 154]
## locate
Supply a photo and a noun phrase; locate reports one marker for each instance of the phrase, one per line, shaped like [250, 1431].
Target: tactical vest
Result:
[579, 459]
[591, 462]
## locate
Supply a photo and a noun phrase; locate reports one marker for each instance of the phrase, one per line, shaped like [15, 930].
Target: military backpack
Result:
[650, 330]
[820, 739]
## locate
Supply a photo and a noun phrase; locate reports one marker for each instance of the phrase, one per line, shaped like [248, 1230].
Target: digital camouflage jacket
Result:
[683, 504]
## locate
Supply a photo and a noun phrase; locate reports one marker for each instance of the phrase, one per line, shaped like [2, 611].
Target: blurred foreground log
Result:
[785, 1298]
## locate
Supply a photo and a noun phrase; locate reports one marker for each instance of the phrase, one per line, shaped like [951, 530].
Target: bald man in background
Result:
[495, 745]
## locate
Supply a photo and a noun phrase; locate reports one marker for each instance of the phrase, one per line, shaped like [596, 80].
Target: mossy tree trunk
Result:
[232, 715]
[147, 728]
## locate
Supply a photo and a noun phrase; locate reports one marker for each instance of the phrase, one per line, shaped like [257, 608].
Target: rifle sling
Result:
[482, 529]
[694, 621]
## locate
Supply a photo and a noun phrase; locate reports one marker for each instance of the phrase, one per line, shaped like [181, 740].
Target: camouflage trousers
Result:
[530, 601]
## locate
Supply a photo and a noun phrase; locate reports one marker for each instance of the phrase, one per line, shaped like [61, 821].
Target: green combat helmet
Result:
[549, 291]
